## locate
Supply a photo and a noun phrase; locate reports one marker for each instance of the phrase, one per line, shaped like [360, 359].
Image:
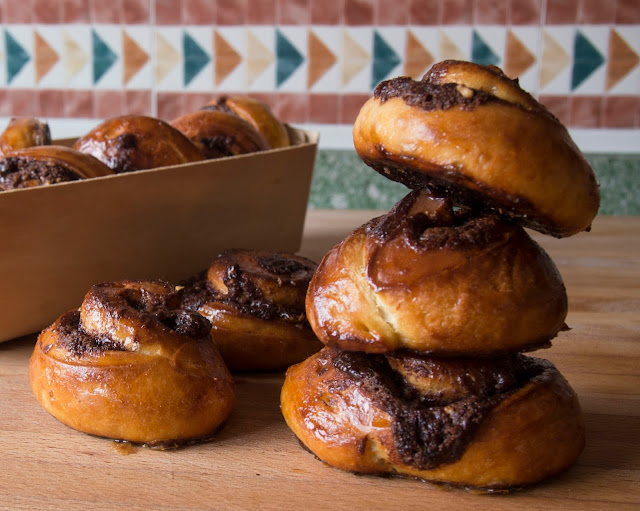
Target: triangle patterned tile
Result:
[518, 59]
[45, 56]
[450, 44]
[621, 60]
[587, 59]
[195, 57]
[167, 58]
[386, 58]
[355, 59]
[226, 58]
[104, 57]
[417, 58]
[76, 72]
[17, 55]
[260, 57]
[134, 56]
[321, 59]
[482, 52]
[289, 59]
[556, 60]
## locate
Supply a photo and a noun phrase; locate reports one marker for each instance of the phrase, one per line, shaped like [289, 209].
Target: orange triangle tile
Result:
[321, 59]
[518, 58]
[449, 49]
[74, 57]
[417, 58]
[45, 56]
[166, 57]
[554, 60]
[622, 59]
[355, 58]
[226, 58]
[259, 57]
[134, 57]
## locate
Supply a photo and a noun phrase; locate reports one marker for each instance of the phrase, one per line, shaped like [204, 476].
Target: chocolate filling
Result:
[429, 96]
[280, 265]
[17, 172]
[74, 339]
[219, 146]
[426, 432]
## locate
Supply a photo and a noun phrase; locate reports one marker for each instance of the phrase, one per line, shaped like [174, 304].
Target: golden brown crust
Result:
[470, 132]
[46, 165]
[255, 303]
[23, 132]
[219, 134]
[130, 365]
[136, 142]
[367, 417]
[425, 278]
[256, 113]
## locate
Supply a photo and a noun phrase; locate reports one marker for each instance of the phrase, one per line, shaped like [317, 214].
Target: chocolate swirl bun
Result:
[23, 132]
[219, 134]
[47, 165]
[471, 133]
[255, 303]
[256, 113]
[434, 279]
[131, 365]
[136, 142]
[486, 423]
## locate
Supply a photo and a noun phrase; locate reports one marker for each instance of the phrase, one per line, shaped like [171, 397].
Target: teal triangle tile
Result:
[17, 56]
[288, 58]
[103, 57]
[481, 52]
[195, 58]
[384, 59]
[586, 59]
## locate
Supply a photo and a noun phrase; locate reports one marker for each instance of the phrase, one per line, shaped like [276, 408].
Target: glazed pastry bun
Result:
[23, 132]
[219, 134]
[256, 113]
[471, 133]
[131, 365]
[47, 165]
[254, 300]
[434, 279]
[137, 142]
[492, 424]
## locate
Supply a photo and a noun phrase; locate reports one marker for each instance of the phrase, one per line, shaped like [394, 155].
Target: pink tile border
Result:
[524, 12]
[562, 12]
[45, 11]
[197, 12]
[425, 12]
[358, 12]
[586, 112]
[74, 11]
[293, 12]
[392, 12]
[490, 12]
[51, 103]
[457, 12]
[326, 12]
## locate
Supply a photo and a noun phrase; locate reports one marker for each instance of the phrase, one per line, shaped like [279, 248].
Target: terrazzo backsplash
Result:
[315, 62]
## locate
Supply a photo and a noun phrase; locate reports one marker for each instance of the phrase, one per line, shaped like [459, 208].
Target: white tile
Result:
[331, 37]
[22, 35]
[111, 35]
[297, 81]
[143, 36]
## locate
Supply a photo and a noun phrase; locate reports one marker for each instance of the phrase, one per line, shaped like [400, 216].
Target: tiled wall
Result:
[314, 61]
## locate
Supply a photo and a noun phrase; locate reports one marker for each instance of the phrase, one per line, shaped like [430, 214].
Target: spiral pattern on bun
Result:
[256, 113]
[219, 134]
[438, 280]
[497, 423]
[254, 300]
[137, 142]
[132, 365]
[471, 133]
[47, 165]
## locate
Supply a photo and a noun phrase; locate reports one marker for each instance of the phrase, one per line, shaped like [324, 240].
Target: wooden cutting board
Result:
[256, 462]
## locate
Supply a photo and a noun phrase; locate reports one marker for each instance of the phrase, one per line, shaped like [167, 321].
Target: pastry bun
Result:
[47, 165]
[433, 279]
[254, 300]
[219, 134]
[131, 365]
[492, 424]
[469, 132]
[136, 142]
[256, 113]
[23, 132]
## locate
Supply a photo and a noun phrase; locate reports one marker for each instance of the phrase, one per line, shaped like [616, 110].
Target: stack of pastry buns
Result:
[425, 311]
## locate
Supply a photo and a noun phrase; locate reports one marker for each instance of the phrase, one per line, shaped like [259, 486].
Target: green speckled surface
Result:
[342, 181]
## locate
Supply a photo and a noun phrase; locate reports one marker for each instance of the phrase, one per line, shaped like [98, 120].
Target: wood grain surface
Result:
[255, 462]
